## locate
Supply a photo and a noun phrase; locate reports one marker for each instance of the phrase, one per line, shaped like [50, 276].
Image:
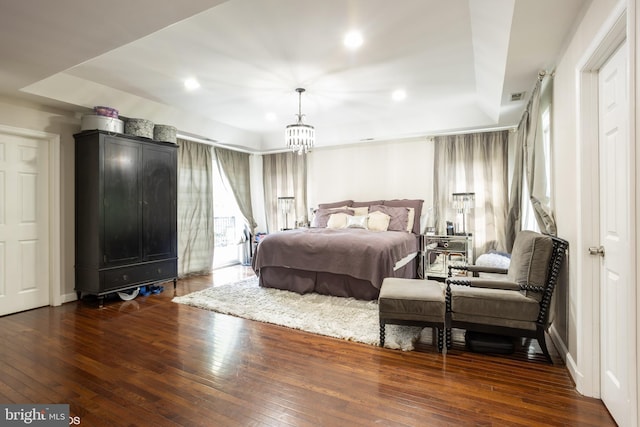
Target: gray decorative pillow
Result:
[416, 204]
[335, 204]
[367, 204]
[321, 216]
[530, 258]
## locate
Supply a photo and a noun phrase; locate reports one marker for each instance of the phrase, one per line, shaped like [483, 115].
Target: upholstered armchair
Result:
[517, 305]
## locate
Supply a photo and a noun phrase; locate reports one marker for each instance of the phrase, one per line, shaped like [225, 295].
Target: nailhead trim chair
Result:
[518, 305]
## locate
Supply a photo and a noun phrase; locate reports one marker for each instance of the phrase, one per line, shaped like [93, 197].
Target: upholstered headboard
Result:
[411, 204]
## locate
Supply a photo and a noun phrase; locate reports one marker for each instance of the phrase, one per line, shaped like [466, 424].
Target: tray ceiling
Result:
[458, 62]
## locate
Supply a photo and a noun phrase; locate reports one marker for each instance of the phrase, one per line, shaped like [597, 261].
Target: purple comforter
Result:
[363, 254]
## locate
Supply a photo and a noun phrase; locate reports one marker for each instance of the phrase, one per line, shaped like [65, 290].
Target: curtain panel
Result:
[284, 175]
[514, 214]
[195, 208]
[532, 166]
[473, 163]
[235, 166]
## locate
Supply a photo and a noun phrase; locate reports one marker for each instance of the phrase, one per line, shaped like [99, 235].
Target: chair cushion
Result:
[530, 258]
[412, 299]
[494, 303]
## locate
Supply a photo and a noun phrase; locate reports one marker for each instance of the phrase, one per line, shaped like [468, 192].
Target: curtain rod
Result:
[215, 144]
[465, 132]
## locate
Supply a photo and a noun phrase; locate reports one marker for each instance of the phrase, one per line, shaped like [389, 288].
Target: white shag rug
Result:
[345, 318]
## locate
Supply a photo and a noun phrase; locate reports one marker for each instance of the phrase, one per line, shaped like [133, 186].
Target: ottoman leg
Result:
[382, 332]
[440, 333]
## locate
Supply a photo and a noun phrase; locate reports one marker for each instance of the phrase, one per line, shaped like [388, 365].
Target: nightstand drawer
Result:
[440, 252]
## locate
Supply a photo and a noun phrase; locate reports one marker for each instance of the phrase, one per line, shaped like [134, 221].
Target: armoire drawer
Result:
[139, 274]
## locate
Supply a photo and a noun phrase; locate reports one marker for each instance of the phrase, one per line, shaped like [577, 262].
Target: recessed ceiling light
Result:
[353, 39]
[399, 95]
[191, 84]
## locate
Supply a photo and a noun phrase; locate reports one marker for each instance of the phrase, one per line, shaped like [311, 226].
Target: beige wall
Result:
[567, 181]
[25, 115]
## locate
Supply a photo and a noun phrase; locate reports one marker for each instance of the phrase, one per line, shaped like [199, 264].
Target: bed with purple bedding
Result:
[342, 261]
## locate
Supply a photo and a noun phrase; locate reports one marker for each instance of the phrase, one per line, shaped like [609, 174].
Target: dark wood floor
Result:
[152, 362]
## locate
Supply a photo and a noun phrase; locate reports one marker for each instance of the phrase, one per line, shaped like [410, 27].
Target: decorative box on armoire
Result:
[126, 213]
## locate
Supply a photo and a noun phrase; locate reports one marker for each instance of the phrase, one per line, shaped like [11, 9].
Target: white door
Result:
[617, 295]
[24, 226]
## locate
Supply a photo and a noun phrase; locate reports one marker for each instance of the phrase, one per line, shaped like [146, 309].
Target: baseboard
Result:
[70, 297]
[570, 363]
[558, 343]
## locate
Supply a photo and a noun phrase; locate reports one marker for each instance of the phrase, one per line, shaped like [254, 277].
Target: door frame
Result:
[54, 216]
[585, 368]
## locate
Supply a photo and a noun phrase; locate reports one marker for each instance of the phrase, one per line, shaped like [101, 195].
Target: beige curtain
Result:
[235, 166]
[532, 165]
[195, 208]
[514, 214]
[285, 175]
[473, 163]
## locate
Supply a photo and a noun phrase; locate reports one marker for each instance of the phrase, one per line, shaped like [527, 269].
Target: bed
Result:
[349, 250]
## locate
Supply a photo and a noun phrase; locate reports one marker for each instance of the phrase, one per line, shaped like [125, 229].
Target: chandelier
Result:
[300, 137]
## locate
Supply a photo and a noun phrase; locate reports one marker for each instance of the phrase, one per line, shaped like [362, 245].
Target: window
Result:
[473, 163]
[228, 224]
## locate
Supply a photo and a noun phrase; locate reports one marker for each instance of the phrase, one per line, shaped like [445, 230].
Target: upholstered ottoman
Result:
[412, 302]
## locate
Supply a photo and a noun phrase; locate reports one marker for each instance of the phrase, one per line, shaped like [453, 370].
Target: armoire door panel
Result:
[122, 210]
[159, 218]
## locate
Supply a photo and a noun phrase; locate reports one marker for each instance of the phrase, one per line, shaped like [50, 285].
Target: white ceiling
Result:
[458, 61]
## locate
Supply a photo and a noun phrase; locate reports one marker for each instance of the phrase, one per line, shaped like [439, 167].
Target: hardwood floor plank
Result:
[150, 361]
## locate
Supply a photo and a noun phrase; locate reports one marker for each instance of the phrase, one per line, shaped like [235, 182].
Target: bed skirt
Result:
[341, 285]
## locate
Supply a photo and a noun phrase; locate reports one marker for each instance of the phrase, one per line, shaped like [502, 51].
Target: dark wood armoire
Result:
[126, 212]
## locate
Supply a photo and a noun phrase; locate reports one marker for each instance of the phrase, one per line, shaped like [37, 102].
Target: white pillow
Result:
[493, 260]
[357, 221]
[411, 218]
[378, 221]
[363, 211]
[338, 220]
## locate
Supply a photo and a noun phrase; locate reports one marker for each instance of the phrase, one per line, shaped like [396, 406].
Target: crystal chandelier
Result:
[300, 137]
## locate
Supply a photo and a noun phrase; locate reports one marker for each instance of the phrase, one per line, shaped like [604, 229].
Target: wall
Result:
[370, 171]
[26, 115]
[566, 172]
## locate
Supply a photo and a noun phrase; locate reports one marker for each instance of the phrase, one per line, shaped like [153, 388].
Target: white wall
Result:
[25, 115]
[372, 171]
